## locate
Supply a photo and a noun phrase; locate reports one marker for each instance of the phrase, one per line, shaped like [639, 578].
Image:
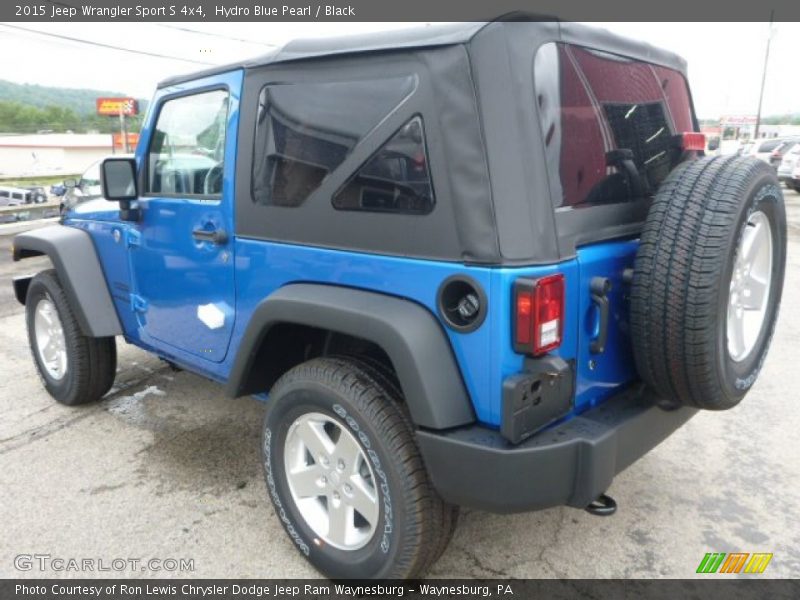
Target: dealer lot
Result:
[167, 467]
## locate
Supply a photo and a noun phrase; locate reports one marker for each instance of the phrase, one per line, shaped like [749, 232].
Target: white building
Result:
[51, 153]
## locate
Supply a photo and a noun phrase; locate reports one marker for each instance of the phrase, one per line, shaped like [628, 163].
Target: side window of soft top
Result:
[306, 131]
[395, 179]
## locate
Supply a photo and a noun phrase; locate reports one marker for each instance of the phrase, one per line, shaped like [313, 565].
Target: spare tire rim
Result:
[50, 342]
[751, 282]
[331, 481]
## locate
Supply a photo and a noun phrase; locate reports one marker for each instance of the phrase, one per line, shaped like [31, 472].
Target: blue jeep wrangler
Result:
[481, 265]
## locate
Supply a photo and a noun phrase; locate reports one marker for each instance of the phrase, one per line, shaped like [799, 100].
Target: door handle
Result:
[600, 286]
[215, 236]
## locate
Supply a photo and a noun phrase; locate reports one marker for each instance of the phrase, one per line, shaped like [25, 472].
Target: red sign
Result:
[133, 139]
[737, 120]
[113, 107]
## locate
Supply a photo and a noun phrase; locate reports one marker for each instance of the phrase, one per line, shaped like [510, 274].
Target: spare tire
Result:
[707, 281]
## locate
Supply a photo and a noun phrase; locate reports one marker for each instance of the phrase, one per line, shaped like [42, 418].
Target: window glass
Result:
[188, 146]
[769, 146]
[92, 175]
[395, 179]
[305, 131]
[609, 123]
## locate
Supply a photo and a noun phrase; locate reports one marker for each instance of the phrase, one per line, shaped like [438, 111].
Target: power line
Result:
[218, 35]
[102, 45]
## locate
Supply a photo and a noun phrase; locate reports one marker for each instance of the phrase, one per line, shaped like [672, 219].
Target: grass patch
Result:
[46, 181]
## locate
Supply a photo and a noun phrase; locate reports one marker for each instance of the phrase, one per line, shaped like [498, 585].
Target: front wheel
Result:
[74, 368]
[345, 475]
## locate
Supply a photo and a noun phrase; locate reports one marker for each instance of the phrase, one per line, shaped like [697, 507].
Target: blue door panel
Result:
[184, 289]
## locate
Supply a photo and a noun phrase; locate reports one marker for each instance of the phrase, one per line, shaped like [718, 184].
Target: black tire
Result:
[91, 362]
[682, 279]
[387, 378]
[410, 526]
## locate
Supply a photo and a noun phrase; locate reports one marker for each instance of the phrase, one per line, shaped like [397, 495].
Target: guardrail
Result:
[28, 212]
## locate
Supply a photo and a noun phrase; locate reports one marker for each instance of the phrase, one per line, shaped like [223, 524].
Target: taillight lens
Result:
[538, 314]
[693, 140]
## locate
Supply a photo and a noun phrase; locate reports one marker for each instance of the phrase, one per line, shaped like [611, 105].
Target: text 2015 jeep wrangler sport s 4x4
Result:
[479, 265]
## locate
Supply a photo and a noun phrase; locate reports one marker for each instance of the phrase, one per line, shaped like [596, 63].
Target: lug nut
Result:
[340, 465]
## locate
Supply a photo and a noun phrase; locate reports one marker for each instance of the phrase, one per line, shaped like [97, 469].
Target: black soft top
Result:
[476, 95]
[430, 36]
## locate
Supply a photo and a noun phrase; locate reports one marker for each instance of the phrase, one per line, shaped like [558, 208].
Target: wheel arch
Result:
[75, 260]
[408, 334]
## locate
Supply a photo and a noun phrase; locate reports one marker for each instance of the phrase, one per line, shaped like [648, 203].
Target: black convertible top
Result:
[429, 36]
[473, 87]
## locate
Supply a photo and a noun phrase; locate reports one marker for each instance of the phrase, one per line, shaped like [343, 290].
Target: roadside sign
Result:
[114, 107]
[119, 141]
[737, 120]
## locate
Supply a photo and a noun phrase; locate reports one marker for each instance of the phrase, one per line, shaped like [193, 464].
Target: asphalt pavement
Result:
[166, 467]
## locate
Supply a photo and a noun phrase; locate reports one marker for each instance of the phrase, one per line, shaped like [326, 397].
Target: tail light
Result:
[538, 314]
[692, 140]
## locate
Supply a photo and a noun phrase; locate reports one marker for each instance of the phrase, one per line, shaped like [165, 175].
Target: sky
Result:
[725, 59]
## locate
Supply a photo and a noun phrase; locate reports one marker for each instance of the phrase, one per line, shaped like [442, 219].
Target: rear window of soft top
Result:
[609, 123]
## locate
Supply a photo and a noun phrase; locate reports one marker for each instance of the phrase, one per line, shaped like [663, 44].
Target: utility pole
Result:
[123, 130]
[763, 76]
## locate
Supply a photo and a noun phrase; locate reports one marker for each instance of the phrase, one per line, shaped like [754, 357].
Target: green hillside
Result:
[29, 108]
[79, 100]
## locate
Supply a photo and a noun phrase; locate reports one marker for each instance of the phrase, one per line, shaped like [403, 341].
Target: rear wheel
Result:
[74, 368]
[345, 475]
[707, 281]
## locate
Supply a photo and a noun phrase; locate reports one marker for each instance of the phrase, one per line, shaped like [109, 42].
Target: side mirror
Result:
[118, 180]
[118, 177]
[70, 183]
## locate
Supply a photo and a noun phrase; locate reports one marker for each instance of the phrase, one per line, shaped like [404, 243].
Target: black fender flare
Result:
[409, 334]
[75, 259]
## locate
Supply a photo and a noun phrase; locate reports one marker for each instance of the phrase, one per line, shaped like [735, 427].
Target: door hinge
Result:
[138, 304]
[133, 238]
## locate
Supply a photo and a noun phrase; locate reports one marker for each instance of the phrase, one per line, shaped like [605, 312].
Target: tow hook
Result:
[602, 506]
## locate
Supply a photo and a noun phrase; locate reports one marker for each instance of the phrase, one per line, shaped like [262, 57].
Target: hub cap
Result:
[750, 286]
[50, 343]
[331, 481]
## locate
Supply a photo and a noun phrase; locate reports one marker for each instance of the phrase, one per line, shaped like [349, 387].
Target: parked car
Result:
[87, 187]
[771, 151]
[460, 264]
[790, 160]
[794, 182]
[38, 195]
[84, 189]
[14, 196]
[58, 189]
[780, 151]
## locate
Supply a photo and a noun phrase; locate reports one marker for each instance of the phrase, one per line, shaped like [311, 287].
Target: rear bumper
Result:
[569, 464]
